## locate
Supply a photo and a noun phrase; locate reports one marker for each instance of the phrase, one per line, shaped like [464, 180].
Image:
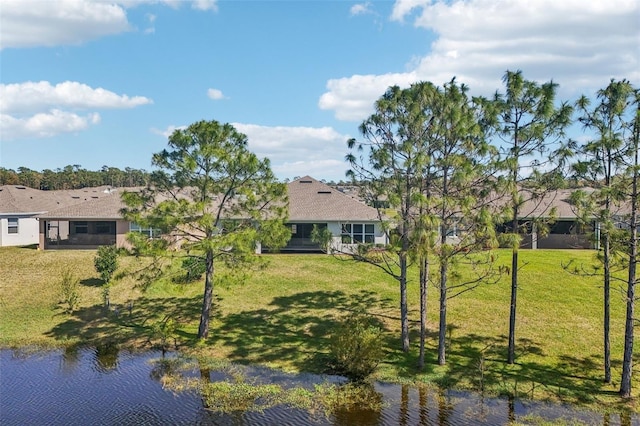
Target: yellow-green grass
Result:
[282, 316]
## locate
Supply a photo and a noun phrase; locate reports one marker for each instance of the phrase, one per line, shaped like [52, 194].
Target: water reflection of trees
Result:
[367, 413]
[106, 357]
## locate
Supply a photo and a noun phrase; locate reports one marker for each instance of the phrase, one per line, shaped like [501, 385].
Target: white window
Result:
[12, 225]
[353, 233]
[149, 232]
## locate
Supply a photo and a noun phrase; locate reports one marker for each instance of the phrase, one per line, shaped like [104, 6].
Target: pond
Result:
[105, 386]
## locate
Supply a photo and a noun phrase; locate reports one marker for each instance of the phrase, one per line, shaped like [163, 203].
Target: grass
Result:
[282, 317]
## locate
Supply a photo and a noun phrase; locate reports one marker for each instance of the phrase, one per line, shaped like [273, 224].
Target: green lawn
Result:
[283, 315]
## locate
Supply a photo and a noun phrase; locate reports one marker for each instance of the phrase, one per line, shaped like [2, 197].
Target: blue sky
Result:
[104, 82]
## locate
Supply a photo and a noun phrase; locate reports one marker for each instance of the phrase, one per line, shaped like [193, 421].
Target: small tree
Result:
[106, 264]
[388, 163]
[356, 347]
[69, 293]
[633, 176]
[215, 197]
[528, 123]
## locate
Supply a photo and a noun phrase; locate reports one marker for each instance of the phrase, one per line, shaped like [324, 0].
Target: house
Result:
[565, 231]
[98, 221]
[315, 204]
[88, 218]
[94, 222]
[20, 207]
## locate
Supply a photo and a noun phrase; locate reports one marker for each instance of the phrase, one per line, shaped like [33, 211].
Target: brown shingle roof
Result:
[105, 207]
[17, 199]
[311, 200]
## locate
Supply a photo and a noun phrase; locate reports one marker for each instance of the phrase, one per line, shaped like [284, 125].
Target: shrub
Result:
[106, 262]
[194, 268]
[69, 290]
[356, 347]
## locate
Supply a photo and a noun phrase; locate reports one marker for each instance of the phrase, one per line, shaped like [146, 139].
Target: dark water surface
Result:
[105, 386]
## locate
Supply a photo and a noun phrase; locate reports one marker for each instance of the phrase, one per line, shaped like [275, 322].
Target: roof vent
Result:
[324, 192]
[21, 187]
[306, 181]
[75, 197]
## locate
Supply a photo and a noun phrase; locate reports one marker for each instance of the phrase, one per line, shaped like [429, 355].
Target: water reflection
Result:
[106, 357]
[108, 386]
[368, 413]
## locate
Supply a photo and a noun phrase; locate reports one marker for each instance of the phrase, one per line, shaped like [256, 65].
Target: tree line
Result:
[73, 177]
[449, 167]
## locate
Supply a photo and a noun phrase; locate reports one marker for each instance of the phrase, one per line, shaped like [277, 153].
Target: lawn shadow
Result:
[480, 361]
[136, 324]
[292, 329]
[92, 282]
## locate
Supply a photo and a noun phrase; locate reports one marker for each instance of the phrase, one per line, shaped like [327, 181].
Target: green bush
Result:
[356, 347]
[106, 262]
[69, 290]
[194, 268]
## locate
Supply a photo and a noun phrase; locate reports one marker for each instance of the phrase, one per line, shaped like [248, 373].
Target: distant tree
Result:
[215, 196]
[28, 177]
[528, 124]
[8, 177]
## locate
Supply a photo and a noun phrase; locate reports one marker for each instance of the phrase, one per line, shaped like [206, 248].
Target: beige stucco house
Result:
[350, 221]
[21, 206]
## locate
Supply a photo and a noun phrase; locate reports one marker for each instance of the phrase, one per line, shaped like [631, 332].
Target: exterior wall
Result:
[335, 228]
[122, 227]
[28, 231]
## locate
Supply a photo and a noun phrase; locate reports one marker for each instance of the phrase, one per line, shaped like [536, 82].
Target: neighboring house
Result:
[350, 221]
[88, 218]
[21, 205]
[98, 222]
[92, 223]
[565, 231]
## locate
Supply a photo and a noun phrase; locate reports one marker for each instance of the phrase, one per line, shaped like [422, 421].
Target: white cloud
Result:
[51, 23]
[30, 23]
[37, 96]
[168, 131]
[45, 124]
[580, 45]
[215, 94]
[293, 151]
[352, 97]
[360, 9]
[401, 8]
[39, 109]
[205, 5]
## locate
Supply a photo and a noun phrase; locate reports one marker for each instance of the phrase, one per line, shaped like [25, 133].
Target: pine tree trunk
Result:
[607, 308]
[424, 277]
[404, 311]
[442, 335]
[627, 361]
[207, 300]
[511, 356]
